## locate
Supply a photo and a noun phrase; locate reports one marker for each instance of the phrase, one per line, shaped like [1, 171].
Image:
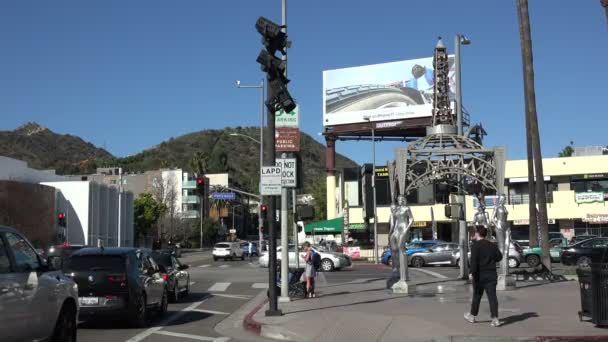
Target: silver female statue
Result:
[503, 231]
[400, 224]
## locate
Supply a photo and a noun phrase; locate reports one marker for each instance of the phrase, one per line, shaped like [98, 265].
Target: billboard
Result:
[387, 91]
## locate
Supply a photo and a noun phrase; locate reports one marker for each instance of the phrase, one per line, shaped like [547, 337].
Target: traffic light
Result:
[61, 219]
[274, 40]
[264, 211]
[200, 185]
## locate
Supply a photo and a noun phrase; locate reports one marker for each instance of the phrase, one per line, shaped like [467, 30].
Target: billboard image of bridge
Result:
[384, 92]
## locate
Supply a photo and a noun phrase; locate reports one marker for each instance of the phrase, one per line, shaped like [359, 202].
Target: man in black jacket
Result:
[484, 257]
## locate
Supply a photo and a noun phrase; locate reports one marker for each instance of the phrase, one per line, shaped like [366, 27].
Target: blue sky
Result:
[129, 74]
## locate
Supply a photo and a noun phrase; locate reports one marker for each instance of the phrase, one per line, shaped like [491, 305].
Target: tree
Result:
[147, 211]
[320, 199]
[199, 163]
[566, 152]
[165, 192]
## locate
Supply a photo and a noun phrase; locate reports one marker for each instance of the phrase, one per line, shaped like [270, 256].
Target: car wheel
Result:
[233, 257]
[533, 260]
[65, 328]
[139, 316]
[242, 257]
[513, 262]
[164, 304]
[417, 262]
[457, 262]
[583, 261]
[214, 258]
[187, 291]
[327, 265]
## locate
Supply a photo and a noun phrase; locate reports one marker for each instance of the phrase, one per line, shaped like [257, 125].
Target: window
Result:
[600, 243]
[5, 262]
[107, 263]
[596, 185]
[440, 248]
[26, 259]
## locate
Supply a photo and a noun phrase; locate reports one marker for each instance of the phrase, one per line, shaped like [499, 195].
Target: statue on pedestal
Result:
[400, 223]
[503, 236]
[481, 217]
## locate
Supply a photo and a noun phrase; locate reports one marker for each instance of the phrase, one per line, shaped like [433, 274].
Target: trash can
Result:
[584, 281]
[599, 294]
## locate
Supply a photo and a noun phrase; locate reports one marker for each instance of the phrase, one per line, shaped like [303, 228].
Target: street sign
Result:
[229, 196]
[287, 139]
[270, 183]
[291, 119]
[288, 172]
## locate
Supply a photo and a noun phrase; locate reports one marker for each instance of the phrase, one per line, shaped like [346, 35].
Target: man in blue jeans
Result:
[484, 257]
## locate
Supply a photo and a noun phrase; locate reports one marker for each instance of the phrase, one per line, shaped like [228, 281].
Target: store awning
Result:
[333, 226]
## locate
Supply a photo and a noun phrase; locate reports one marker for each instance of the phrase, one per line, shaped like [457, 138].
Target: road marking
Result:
[232, 296]
[259, 285]
[431, 273]
[219, 287]
[192, 283]
[193, 337]
[224, 266]
[211, 312]
[142, 335]
[203, 266]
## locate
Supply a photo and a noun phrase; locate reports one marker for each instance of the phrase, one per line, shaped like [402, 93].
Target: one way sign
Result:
[288, 172]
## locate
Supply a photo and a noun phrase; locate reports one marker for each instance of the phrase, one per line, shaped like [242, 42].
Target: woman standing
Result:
[309, 270]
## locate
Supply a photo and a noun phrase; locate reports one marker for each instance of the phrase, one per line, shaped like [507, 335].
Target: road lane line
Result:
[219, 287]
[192, 337]
[203, 266]
[142, 335]
[259, 285]
[211, 312]
[224, 266]
[431, 273]
[231, 296]
[192, 283]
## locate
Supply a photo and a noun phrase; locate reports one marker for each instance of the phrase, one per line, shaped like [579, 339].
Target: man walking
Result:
[484, 257]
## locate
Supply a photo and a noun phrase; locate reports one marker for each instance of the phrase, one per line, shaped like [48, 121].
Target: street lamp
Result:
[261, 142]
[245, 136]
[368, 119]
[462, 219]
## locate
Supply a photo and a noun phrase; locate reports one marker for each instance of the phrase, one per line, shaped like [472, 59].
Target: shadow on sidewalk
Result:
[367, 281]
[518, 318]
[345, 305]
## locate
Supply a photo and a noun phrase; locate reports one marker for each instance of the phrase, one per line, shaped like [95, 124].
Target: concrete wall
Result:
[17, 170]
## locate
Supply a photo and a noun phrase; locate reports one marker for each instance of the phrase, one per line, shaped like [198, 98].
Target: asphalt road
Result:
[217, 289]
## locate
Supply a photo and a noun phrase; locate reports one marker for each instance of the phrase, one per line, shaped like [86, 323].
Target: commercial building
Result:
[577, 196]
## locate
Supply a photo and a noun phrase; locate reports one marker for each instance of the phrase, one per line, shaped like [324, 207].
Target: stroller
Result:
[297, 288]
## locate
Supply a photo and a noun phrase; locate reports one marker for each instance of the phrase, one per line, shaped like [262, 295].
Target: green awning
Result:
[325, 227]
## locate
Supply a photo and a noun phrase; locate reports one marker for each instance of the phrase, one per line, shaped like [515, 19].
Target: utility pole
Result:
[533, 131]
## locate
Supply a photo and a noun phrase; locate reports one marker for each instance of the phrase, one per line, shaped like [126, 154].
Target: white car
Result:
[35, 302]
[228, 250]
[330, 261]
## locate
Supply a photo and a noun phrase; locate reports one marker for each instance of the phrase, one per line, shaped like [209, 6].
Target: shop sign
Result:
[353, 252]
[590, 176]
[596, 218]
[420, 224]
[589, 197]
[382, 172]
[356, 226]
[526, 222]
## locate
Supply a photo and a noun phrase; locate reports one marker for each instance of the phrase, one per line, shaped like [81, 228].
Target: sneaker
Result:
[469, 318]
[496, 322]
[314, 295]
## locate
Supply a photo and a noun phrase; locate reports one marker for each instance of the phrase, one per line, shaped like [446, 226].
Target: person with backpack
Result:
[310, 271]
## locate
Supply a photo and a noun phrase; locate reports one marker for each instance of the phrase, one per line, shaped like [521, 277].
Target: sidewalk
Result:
[365, 311]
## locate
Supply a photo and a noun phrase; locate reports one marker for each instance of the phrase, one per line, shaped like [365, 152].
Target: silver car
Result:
[35, 303]
[440, 254]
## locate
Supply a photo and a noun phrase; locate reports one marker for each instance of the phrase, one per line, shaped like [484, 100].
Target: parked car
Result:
[586, 252]
[254, 248]
[227, 250]
[122, 281]
[578, 238]
[516, 254]
[411, 248]
[330, 261]
[442, 253]
[533, 255]
[36, 302]
[57, 256]
[174, 273]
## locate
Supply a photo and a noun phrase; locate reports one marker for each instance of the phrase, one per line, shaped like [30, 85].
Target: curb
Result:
[250, 324]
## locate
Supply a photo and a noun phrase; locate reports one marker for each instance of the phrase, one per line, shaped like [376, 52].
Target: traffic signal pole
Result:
[284, 193]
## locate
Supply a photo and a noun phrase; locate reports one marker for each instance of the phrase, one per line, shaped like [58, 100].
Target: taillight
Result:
[117, 278]
[110, 297]
[165, 277]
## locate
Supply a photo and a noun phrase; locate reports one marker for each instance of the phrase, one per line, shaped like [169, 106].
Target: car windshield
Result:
[222, 245]
[109, 263]
[163, 259]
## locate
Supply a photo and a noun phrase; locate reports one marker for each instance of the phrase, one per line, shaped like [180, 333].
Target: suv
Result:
[35, 302]
[227, 250]
[118, 280]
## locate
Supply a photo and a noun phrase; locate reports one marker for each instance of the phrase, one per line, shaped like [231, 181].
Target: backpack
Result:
[316, 260]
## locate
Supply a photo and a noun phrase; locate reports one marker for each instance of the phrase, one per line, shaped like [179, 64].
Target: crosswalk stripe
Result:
[203, 266]
[259, 285]
[224, 266]
[211, 312]
[192, 337]
[232, 296]
[219, 287]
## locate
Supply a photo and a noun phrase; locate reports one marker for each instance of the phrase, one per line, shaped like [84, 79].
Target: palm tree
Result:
[605, 5]
[532, 130]
[566, 152]
[199, 163]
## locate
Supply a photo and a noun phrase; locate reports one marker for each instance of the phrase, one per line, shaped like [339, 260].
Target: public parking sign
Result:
[288, 172]
[291, 119]
[270, 183]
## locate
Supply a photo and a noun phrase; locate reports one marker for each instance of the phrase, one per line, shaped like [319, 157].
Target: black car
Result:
[120, 281]
[580, 238]
[586, 252]
[177, 278]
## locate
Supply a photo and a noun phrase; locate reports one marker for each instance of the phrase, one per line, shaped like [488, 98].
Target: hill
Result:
[68, 154]
[44, 149]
